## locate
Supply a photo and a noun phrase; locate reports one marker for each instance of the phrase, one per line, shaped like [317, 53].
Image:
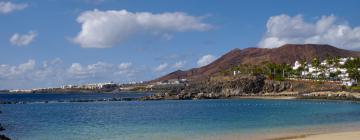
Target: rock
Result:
[3, 137]
[276, 86]
[212, 89]
[2, 128]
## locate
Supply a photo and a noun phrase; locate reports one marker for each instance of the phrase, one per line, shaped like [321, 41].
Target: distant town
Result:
[99, 87]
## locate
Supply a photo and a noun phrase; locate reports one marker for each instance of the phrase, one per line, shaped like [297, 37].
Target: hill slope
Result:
[288, 53]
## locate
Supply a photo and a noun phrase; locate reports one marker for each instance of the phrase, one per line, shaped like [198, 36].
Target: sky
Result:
[49, 43]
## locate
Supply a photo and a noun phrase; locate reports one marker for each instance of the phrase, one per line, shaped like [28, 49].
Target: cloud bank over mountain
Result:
[205, 60]
[284, 29]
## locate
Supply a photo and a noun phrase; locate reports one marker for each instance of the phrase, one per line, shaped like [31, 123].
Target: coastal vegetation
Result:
[331, 69]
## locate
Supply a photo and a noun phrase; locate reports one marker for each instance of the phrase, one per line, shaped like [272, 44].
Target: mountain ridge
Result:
[287, 53]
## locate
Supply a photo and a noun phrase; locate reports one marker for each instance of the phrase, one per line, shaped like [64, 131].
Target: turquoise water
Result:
[193, 119]
[67, 97]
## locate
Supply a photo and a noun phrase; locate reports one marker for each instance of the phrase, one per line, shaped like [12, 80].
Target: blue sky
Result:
[55, 42]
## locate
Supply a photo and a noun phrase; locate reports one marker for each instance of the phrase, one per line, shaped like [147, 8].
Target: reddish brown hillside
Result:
[285, 54]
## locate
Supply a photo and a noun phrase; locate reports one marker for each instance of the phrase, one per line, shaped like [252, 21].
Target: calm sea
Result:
[163, 120]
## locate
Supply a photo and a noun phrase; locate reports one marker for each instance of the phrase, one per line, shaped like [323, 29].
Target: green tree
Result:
[352, 66]
[316, 63]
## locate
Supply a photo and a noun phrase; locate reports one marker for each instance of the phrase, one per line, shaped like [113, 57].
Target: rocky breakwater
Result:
[3, 137]
[213, 88]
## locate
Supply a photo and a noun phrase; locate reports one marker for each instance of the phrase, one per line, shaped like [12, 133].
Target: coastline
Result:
[265, 97]
[347, 131]
[320, 95]
[351, 135]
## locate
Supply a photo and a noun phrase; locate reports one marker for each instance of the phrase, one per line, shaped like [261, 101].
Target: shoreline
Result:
[347, 131]
[265, 97]
[324, 95]
[349, 135]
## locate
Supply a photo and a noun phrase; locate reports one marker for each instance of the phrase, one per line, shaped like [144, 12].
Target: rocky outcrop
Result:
[243, 86]
[215, 88]
[1, 128]
[3, 137]
[272, 86]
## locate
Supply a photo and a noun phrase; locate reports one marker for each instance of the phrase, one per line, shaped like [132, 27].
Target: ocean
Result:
[168, 120]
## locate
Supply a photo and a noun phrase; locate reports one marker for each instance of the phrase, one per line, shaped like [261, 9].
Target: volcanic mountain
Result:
[288, 53]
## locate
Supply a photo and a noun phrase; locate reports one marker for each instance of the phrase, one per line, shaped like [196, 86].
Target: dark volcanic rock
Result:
[213, 89]
[1, 128]
[276, 86]
[3, 137]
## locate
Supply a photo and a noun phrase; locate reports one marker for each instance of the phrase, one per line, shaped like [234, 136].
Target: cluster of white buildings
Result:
[326, 71]
[85, 87]
[89, 86]
[171, 82]
[20, 91]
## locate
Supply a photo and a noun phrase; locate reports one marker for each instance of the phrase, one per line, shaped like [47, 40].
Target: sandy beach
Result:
[355, 135]
[346, 131]
[351, 135]
[265, 97]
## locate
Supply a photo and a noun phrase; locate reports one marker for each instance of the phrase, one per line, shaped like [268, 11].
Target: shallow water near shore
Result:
[191, 119]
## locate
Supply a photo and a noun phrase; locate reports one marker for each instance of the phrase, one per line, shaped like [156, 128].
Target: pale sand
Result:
[265, 97]
[345, 131]
[355, 135]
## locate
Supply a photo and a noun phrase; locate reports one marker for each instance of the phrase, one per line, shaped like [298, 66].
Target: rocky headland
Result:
[252, 86]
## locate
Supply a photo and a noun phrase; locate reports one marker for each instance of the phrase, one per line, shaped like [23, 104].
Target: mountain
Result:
[288, 53]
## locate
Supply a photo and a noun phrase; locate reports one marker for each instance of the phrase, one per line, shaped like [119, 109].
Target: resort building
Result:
[326, 70]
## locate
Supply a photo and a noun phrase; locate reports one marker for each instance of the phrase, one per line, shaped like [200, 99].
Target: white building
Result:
[296, 65]
[236, 72]
[316, 72]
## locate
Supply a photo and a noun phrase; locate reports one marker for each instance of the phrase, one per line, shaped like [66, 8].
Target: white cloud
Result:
[205, 60]
[77, 69]
[11, 72]
[105, 29]
[23, 40]
[8, 7]
[27, 66]
[283, 29]
[124, 66]
[161, 67]
[50, 70]
[179, 64]
[126, 69]
[91, 70]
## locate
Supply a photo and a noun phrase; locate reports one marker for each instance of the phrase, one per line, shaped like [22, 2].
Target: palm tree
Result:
[316, 63]
[322, 71]
[336, 61]
[352, 66]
